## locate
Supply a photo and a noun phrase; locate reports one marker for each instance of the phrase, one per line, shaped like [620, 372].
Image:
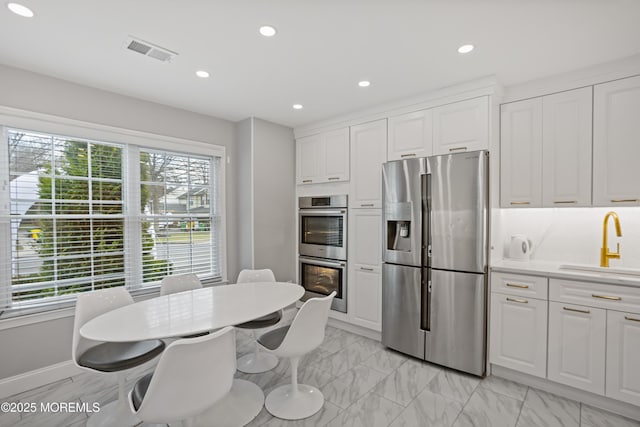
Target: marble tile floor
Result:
[364, 385]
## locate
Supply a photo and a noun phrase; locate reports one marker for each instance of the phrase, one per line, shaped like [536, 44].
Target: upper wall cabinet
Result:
[411, 135]
[323, 157]
[461, 126]
[368, 153]
[546, 151]
[521, 154]
[566, 148]
[616, 143]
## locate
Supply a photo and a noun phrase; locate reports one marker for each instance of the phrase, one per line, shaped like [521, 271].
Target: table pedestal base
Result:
[243, 403]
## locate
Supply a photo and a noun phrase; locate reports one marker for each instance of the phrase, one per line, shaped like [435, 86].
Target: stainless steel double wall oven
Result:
[323, 247]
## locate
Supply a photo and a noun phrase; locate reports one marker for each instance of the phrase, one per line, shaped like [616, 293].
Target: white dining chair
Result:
[296, 401]
[179, 283]
[257, 361]
[186, 382]
[109, 357]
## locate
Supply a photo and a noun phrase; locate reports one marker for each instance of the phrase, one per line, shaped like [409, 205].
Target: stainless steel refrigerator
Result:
[434, 275]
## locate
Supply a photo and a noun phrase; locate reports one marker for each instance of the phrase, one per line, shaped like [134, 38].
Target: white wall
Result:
[34, 346]
[571, 235]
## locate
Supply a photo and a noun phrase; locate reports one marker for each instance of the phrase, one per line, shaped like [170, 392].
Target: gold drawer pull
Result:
[576, 310]
[366, 205]
[514, 285]
[624, 200]
[366, 268]
[334, 178]
[408, 155]
[521, 301]
[306, 181]
[631, 318]
[520, 203]
[565, 202]
[458, 149]
[606, 297]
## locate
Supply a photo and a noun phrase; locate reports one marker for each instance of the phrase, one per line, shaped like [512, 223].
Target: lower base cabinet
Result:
[367, 297]
[519, 333]
[623, 356]
[577, 336]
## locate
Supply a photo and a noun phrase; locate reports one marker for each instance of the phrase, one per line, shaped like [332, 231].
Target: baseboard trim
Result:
[358, 330]
[601, 402]
[37, 378]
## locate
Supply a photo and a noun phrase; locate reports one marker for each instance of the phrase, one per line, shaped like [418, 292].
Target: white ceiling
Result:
[322, 49]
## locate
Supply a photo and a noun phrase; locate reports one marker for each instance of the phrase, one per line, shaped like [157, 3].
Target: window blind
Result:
[70, 225]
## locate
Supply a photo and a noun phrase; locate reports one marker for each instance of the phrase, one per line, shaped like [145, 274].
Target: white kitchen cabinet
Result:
[577, 337]
[308, 152]
[410, 135]
[461, 126]
[616, 143]
[566, 148]
[368, 153]
[521, 154]
[365, 259]
[323, 157]
[518, 335]
[623, 348]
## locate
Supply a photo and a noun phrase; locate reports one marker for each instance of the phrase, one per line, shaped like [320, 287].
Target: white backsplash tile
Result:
[569, 235]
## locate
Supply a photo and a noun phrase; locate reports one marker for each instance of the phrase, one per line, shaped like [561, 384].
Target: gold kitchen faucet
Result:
[605, 255]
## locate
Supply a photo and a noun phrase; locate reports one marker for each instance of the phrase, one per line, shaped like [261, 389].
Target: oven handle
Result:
[322, 212]
[323, 263]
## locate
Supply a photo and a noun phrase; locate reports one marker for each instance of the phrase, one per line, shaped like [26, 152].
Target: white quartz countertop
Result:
[554, 270]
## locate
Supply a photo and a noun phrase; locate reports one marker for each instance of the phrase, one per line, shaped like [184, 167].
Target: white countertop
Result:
[191, 312]
[552, 269]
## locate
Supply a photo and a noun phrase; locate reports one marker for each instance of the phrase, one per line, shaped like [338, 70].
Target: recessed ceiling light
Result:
[268, 31]
[202, 74]
[21, 10]
[465, 48]
[364, 83]
[297, 106]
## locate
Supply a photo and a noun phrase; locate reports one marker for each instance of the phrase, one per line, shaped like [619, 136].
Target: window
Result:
[84, 216]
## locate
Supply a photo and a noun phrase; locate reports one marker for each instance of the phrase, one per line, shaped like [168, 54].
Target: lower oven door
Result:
[320, 277]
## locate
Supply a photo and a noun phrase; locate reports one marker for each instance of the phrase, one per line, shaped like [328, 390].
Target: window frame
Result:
[131, 141]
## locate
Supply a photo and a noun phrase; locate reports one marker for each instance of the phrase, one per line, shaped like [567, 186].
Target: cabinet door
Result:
[308, 164]
[566, 148]
[411, 135]
[336, 155]
[368, 153]
[577, 346]
[365, 240]
[521, 154]
[367, 297]
[461, 126]
[623, 348]
[616, 143]
[519, 333]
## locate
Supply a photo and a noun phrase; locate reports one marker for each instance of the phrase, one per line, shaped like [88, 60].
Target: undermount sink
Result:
[602, 270]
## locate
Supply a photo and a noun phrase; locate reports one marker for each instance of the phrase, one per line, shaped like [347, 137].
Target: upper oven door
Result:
[323, 233]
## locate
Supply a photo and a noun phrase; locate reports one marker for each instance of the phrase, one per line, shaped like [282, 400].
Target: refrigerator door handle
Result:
[425, 181]
[425, 312]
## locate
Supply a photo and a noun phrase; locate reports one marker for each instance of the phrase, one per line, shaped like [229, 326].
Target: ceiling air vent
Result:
[149, 49]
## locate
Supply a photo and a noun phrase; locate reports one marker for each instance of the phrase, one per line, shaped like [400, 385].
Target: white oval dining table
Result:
[201, 310]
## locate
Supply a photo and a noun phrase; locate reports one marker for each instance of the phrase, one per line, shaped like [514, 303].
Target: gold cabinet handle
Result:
[408, 155]
[565, 202]
[576, 310]
[624, 200]
[520, 203]
[306, 181]
[631, 318]
[514, 285]
[606, 297]
[458, 149]
[521, 301]
[366, 268]
[366, 205]
[334, 178]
